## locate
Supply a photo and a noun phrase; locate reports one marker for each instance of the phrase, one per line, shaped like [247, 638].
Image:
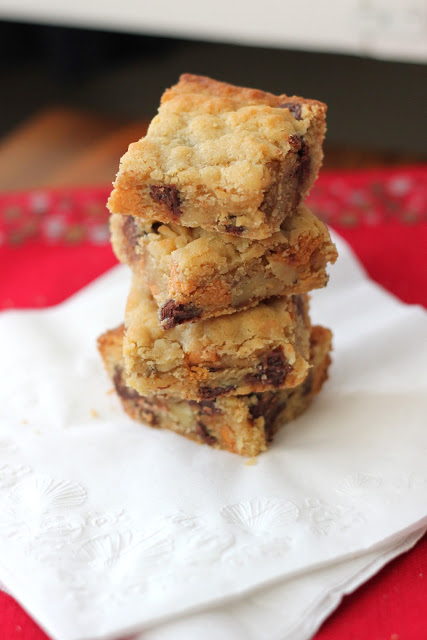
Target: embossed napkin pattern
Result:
[107, 526]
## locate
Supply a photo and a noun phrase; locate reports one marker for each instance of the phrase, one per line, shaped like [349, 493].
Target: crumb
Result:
[24, 421]
[94, 413]
[250, 462]
[37, 432]
[110, 391]
[394, 636]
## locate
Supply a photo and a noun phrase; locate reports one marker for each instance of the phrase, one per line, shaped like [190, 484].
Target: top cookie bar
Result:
[224, 158]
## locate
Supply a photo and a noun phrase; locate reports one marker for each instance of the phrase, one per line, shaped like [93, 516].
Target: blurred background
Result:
[80, 80]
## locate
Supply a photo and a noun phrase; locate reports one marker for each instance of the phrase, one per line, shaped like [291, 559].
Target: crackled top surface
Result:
[214, 145]
[225, 135]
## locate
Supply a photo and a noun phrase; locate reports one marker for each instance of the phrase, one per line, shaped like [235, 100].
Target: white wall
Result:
[391, 29]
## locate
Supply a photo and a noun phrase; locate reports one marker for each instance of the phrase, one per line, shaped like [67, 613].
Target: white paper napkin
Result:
[107, 526]
[292, 610]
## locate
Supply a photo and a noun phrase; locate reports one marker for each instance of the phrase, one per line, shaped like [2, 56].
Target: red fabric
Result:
[38, 275]
[53, 243]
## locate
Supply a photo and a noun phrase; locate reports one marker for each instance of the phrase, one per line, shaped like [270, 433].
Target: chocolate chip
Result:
[207, 393]
[204, 433]
[303, 171]
[295, 142]
[205, 407]
[294, 107]
[143, 404]
[268, 405]
[122, 390]
[172, 313]
[300, 146]
[262, 404]
[275, 367]
[237, 231]
[130, 231]
[167, 195]
[299, 305]
[155, 226]
[272, 369]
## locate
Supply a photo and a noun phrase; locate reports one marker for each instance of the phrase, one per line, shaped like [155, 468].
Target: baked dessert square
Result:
[240, 424]
[195, 273]
[225, 158]
[264, 347]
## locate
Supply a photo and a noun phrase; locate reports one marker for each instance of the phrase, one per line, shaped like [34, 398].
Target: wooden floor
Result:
[64, 147]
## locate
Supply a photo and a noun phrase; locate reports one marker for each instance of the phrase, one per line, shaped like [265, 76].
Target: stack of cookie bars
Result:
[208, 211]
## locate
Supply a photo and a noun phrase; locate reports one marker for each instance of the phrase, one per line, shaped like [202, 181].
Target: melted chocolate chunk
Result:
[122, 390]
[155, 226]
[237, 231]
[144, 405]
[299, 145]
[284, 176]
[205, 407]
[172, 314]
[303, 170]
[275, 367]
[272, 369]
[295, 142]
[167, 195]
[269, 405]
[299, 305]
[207, 393]
[129, 231]
[204, 433]
[294, 107]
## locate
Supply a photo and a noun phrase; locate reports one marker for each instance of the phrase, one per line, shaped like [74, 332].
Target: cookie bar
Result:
[224, 158]
[241, 424]
[265, 347]
[194, 273]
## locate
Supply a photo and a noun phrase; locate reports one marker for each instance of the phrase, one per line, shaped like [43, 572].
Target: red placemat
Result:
[52, 243]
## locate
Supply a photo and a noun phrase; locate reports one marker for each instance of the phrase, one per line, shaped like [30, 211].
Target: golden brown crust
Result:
[206, 274]
[240, 424]
[224, 158]
[264, 347]
[190, 83]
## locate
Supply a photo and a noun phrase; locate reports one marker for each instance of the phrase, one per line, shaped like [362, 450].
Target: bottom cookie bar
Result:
[240, 424]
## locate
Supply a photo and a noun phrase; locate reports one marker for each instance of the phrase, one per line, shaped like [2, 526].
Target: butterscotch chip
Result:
[264, 347]
[195, 273]
[224, 158]
[242, 424]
